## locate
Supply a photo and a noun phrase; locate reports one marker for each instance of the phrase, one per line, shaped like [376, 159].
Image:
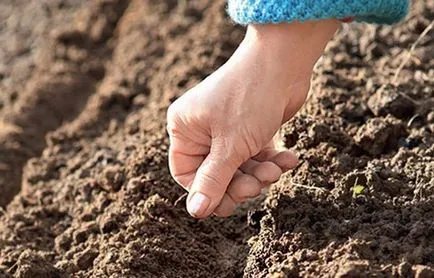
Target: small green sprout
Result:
[358, 190]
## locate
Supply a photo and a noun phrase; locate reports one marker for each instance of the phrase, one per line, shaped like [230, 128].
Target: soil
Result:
[82, 129]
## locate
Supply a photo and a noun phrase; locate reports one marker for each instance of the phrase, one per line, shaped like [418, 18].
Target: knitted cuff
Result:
[276, 11]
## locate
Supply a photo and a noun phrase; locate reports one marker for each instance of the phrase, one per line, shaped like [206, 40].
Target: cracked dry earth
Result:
[84, 183]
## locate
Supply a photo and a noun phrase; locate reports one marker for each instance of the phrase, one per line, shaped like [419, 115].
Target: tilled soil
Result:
[84, 138]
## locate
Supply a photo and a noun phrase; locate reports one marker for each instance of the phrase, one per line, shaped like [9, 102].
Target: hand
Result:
[221, 131]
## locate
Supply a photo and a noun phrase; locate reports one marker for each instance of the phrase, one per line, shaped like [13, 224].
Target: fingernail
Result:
[267, 183]
[198, 204]
[287, 167]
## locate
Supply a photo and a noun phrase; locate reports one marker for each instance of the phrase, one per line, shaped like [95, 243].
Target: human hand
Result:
[221, 131]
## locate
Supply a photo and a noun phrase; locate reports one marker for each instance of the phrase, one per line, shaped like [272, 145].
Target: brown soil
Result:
[82, 133]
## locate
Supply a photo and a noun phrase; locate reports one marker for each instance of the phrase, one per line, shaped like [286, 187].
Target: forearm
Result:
[305, 40]
[285, 53]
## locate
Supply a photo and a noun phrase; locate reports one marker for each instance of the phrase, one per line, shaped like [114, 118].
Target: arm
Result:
[221, 131]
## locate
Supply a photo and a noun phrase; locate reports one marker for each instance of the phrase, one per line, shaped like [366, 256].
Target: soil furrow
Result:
[66, 74]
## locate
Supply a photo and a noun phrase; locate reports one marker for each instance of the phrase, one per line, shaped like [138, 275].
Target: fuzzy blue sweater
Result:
[275, 11]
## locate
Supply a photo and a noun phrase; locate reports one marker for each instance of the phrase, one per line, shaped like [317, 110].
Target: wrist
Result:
[306, 40]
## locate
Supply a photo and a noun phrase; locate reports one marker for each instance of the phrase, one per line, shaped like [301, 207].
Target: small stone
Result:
[391, 101]
[113, 178]
[66, 266]
[102, 202]
[140, 100]
[84, 259]
[134, 185]
[110, 257]
[87, 216]
[108, 223]
[353, 269]
[83, 233]
[63, 242]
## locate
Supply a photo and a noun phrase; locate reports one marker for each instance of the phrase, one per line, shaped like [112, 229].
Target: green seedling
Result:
[358, 190]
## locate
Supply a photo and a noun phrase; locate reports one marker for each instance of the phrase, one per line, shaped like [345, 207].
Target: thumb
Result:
[211, 181]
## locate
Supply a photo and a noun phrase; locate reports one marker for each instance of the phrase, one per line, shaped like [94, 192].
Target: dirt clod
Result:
[32, 265]
[85, 258]
[390, 100]
[380, 135]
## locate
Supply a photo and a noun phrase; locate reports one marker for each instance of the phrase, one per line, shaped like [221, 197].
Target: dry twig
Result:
[180, 199]
[308, 187]
[410, 52]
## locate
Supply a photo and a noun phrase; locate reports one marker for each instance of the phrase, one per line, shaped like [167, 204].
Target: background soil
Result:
[84, 90]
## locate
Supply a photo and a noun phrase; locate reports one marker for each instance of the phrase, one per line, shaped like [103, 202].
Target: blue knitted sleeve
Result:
[275, 11]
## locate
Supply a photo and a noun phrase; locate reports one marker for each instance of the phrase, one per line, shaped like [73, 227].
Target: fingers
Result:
[286, 160]
[266, 172]
[185, 157]
[226, 206]
[210, 183]
[264, 169]
[213, 179]
[241, 188]
[183, 167]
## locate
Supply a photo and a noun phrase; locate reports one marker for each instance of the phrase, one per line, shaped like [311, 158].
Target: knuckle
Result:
[253, 143]
[246, 147]
[251, 189]
[172, 112]
[210, 179]
[256, 192]
[236, 197]
[228, 151]
[226, 208]
[177, 179]
[181, 181]
[172, 120]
